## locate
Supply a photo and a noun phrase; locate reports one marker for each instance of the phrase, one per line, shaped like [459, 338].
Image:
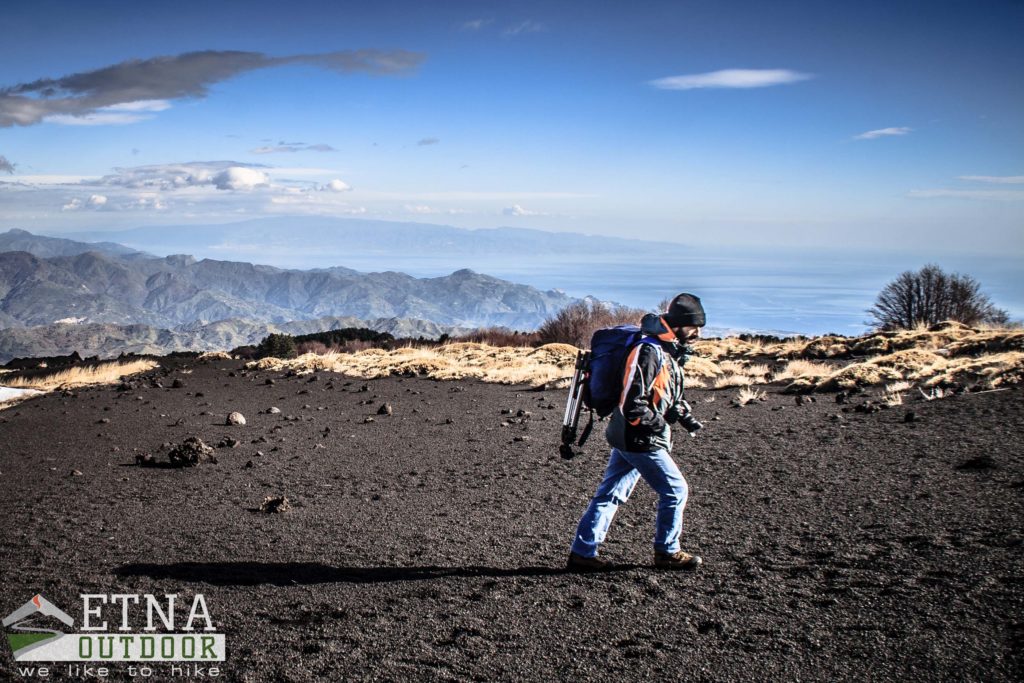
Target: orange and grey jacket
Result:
[652, 383]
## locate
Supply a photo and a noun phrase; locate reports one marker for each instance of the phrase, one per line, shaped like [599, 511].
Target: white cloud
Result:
[994, 179]
[239, 178]
[223, 175]
[517, 210]
[731, 78]
[985, 195]
[882, 132]
[336, 185]
[423, 142]
[101, 118]
[421, 209]
[95, 201]
[140, 105]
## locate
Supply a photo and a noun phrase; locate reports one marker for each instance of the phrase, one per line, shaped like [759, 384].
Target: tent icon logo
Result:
[28, 627]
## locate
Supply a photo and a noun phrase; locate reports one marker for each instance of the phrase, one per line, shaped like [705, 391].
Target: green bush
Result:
[277, 346]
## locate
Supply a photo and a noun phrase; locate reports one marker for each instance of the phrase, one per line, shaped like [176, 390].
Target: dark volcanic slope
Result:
[419, 549]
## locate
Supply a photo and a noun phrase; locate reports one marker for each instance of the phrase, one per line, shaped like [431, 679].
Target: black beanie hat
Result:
[684, 310]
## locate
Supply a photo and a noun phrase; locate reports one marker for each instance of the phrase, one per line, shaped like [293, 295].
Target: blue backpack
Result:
[609, 349]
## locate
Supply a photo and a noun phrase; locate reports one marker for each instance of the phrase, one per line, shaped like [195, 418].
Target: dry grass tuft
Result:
[734, 380]
[544, 365]
[802, 368]
[214, 355]
[80, 376]
[701, 368]
[748, 394]
[942, 354]
[892, 399]
[897, 387]
[990, 372]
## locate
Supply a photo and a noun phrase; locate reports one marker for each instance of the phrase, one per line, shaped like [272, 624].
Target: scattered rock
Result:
[249, 465]
[177, 384]
[235, 418]
[385, 409]
[274, 410]
[145, 460]
[228, 442]
[521, 438]
[910, 416]
[268, 380]
[367, 420]
[275, 504]
[103, 420]
[190, 453]
[76, 473]
[449, 421]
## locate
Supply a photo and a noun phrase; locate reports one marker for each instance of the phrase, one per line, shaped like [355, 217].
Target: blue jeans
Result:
[620, 477]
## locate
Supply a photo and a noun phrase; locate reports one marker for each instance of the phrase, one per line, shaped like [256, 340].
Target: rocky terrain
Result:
[427, 525]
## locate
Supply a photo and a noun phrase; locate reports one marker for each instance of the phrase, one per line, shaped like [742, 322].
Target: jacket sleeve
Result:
[641, 371]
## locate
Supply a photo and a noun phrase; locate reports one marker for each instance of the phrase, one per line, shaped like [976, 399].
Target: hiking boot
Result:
[676, 560]
[580, 563]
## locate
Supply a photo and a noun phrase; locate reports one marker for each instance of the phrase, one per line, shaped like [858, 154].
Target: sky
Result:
[889, 125]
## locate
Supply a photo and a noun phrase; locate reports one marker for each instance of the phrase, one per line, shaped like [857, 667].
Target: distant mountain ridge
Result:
[134, 288]
[343, 238]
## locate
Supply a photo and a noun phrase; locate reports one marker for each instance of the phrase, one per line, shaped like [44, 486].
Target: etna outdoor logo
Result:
[25, 621]
[32, 636]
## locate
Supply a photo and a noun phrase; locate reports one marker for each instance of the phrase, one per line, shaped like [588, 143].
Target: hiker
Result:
[641, 440]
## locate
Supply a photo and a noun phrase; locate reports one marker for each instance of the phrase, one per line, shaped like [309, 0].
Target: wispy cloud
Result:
[116, 93]
[985, 195]
[289, 147]
[731, 78]
[475, 24]
[882, 133]
[524, 27]
[428, 141]
[995, 179]
[5, 165]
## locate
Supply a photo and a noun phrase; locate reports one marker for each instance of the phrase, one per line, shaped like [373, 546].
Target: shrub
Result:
[498, 336]
[319, 348]
[930, 296]
[576, 323]
[277, 346]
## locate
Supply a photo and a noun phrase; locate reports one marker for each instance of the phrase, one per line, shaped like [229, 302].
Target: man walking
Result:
[641, 440]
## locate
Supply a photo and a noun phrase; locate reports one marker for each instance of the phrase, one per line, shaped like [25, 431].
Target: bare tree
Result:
[930, 296]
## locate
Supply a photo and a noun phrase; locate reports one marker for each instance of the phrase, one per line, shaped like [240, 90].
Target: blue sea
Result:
[806, 292]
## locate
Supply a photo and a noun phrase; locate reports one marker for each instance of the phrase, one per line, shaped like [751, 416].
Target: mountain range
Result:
[58, 295]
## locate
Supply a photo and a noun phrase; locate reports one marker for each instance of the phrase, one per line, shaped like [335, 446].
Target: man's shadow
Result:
[304, 573]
